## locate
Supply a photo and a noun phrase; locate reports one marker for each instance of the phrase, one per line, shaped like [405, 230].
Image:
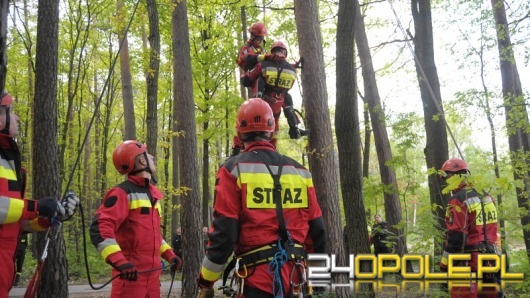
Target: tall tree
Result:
[516, 115]
[348, 133]
[45, 166]
[436, 147]
[382, 143]
[126, 81]
[185, 113]
[152, 77]
[4, 11]
[320, 143]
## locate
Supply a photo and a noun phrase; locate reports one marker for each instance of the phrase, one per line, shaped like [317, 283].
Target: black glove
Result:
[127, 270]
[294, 132]
[49, 207]
[299, 63]
[176, 264]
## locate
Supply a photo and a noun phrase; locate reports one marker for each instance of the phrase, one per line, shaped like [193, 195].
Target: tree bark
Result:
[4, 11]
[436, 147]
[126, 81]
[152, 78]
[185, 113]
[516, 114]
[382, 144]
[320, 143]
[45, 167]
[348, 133]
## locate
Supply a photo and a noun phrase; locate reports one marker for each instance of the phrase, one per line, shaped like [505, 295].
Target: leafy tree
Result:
[348, 133]
[436, 148]
[320, 144]
[384, 153]
[516, 117]
[187, 150]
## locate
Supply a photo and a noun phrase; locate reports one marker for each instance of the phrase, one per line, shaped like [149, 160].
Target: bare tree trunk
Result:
[244, 91]
[126, 81]
[382, 144]
[185, 113]
[348, 133]
[152, 78]
[436, 147]
[320, 144]
[45, 167]
[205, 175]
[517, 122]
[4, 11]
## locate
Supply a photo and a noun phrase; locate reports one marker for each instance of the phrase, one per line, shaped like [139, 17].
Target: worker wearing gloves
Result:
[126, 227]
[18, 215]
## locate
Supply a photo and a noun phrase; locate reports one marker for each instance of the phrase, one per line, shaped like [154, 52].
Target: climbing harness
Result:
[275, 255]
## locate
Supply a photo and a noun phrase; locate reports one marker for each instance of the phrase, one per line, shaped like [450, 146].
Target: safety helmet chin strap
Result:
[5, 130]
[146, 169]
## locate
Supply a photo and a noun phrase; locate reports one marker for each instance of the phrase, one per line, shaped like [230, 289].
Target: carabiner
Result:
[236, 271]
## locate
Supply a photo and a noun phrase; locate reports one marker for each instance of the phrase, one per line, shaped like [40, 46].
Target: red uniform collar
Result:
[140, 181]
[260, 145]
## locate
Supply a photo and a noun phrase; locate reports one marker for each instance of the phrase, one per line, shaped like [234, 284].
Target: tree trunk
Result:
[205, 175]
[517, 122]
[348, 133]
[126, 81]
[382, 144]
[185, 113]
[436, 147]
[45, 167]
[152, 78]
[320, 143]
[4, 11]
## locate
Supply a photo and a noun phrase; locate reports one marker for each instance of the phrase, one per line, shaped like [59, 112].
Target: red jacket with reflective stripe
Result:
[16, 213]
[245, 214]
[127, 226]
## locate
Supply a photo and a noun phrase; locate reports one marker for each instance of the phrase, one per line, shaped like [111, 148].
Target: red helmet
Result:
[125, 155]
[258, 29]
[6, 99]
[278, 44]
[454, 165]
[255, 115]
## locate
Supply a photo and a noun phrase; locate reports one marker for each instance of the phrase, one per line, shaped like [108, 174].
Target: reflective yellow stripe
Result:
[7, 173]
[210, 275]
[139, 203]
[110, 250]
[14, 213]
[164, 247]
[159, 208]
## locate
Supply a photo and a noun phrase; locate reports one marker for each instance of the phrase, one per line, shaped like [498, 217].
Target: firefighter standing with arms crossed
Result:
[17, 214]
[248, 199]
[471, 223]
[126, 228]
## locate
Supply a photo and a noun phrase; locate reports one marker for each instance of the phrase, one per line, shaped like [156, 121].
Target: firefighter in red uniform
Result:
[471, 223]
[262, 217]
[275, 79]
[18, 215]
[248, 54]
[126, 228]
